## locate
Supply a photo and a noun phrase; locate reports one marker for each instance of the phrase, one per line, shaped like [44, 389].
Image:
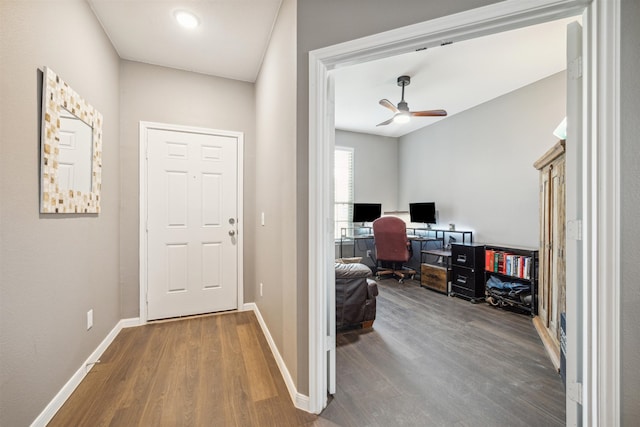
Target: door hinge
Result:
[574, 229]
[574, 392]
[575, 68]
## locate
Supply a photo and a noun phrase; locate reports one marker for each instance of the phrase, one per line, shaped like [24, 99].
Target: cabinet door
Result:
[557, 234]
[544, 299]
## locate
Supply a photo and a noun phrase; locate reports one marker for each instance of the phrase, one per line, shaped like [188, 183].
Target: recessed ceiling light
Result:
[186, 19]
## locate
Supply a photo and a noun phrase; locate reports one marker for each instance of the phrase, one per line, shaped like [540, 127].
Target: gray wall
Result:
[478, 164]
[375, 167]
[275, 195]
[325, 23]
[159, 94]
[54, 267]
[630, 206]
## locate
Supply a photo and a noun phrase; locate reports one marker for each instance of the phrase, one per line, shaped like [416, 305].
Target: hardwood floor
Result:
[430, 360]
[213, 370]
[434, 360]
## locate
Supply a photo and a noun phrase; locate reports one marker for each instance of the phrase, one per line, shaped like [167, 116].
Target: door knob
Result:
[232, 232]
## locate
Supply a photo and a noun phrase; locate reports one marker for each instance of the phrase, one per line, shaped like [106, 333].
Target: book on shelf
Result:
[508, 264]
[489, 256]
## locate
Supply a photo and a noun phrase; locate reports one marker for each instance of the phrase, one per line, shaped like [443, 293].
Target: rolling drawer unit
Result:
[435, 274]
[434, 277]
[467, 263]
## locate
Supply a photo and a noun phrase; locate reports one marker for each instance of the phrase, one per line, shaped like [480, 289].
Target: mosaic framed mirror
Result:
[71, 150]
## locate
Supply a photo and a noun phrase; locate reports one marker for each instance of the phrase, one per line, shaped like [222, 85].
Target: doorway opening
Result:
[595, 228]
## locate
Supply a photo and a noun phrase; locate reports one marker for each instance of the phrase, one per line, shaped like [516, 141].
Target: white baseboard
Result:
[299, 400]
[130, 323]
[56, 403]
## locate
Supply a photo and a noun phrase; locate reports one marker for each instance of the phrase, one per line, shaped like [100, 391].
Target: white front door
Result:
[192, 219]
[75, 156]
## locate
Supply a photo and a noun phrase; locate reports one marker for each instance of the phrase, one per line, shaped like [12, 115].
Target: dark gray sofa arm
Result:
[355, 295]
[350, 271]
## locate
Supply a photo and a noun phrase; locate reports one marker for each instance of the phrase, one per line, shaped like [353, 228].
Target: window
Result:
[343, 189]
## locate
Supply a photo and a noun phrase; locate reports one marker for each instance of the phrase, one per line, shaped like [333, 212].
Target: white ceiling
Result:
[454, 77]
[229, 42]
[233, 35]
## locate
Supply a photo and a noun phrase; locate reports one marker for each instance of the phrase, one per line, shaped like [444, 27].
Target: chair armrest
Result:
[354, 270]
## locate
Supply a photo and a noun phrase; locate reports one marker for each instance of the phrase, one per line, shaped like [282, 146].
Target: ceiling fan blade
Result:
[429, 113]
[386, 103]
[386, 122]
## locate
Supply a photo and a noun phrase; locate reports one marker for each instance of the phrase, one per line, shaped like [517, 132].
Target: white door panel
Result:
[191, 217]
[74, 158]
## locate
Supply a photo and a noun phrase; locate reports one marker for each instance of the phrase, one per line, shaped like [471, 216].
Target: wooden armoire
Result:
[552, 267]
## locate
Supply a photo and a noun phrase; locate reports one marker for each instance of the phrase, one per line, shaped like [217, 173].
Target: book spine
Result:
[502, 268]
[488, 260]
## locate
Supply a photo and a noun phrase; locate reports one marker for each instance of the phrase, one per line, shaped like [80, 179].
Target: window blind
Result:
[343, 190]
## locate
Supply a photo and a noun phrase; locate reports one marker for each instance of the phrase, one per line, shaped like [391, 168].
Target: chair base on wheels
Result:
[400, 273]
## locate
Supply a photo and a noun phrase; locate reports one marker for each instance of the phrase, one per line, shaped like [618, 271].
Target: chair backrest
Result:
[390, 236]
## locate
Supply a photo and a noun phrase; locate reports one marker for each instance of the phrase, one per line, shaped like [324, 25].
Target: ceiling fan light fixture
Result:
[186, 19]
[402, 117]
[401, 112]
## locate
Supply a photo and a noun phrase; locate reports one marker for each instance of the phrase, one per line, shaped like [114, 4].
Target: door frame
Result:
[145, 127]
[599, 372]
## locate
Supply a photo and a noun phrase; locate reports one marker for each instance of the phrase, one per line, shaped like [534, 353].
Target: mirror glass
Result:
[71, 150]
[74, 158]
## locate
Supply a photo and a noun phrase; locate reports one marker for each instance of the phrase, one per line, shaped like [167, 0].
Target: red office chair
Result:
[393, 248]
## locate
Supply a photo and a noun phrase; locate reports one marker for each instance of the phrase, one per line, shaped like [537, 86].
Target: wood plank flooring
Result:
[430, 360]
[434, 360]
[212, 370]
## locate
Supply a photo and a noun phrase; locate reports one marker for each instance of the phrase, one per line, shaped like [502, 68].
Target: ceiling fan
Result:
[401, 113]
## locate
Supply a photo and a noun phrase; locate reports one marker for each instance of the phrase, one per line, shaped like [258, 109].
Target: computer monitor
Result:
[424, 213]
[366, 212]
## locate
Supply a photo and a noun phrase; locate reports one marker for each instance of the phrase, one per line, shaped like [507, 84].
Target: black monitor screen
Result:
[423, 212]
[366, 212]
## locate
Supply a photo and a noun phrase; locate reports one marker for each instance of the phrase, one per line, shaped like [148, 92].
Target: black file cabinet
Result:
[467, 269]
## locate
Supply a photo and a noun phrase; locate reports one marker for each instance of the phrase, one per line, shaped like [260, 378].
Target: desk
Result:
[355, 235]
[441, 233]
[423, 236]
[443, 254]
[366, 238]
[424, 241]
